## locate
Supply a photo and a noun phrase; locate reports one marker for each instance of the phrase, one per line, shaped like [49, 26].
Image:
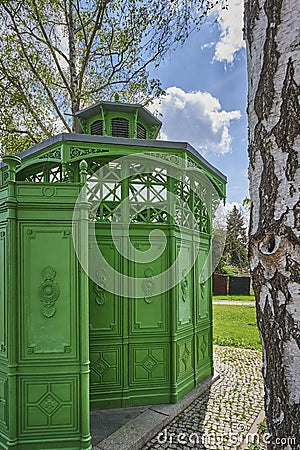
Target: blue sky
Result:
[207, 91]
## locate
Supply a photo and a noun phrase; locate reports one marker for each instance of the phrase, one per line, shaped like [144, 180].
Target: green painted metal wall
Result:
[150, 350]
[44, 355]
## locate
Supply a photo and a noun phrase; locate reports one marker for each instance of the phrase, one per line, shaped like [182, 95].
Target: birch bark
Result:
[72, 58]
[273, 50]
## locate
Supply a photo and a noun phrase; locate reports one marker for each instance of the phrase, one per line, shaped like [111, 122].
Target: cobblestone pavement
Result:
[221, 417]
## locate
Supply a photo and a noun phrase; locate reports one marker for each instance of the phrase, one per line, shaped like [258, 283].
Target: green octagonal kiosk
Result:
[105, 289]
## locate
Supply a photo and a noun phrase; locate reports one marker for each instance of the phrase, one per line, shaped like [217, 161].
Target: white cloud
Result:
[231, 24]
[207, 45]
[223, 210]
[195, 117]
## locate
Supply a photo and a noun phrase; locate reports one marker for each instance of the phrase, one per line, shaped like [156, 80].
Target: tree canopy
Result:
[57, 56]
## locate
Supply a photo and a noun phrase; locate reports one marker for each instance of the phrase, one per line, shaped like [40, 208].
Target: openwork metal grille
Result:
[141, 196]
[150, 215]
[97, 127]
[36, 177]
[147, 194]
[183, 204]
[52, 175]
[201, 215]
[120, 127]
[104, 191]
[144, 189]
[200, 210]
[140, 131]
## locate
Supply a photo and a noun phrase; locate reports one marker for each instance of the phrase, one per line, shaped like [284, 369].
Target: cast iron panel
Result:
[3, 402]
[203, 347]
[203, 282]
[185, 287]
[148, 314]
[149, 363]
[49, 406]
[185, 358]
[48, 291]
[2, 293]
[105, 307]
[105, 366]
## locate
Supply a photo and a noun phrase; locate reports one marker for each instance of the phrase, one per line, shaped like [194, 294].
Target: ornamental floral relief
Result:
[49, 292]
[99, 288]
[148, 285]
[184, 286]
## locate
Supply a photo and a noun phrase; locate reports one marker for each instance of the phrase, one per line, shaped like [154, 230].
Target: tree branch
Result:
[35, 72]
[43, 41]
[17, 131]
[25, 100]
[50, 47]
[98, 23]
[125, 81]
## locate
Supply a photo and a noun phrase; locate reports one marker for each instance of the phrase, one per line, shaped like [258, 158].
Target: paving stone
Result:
[222, 416]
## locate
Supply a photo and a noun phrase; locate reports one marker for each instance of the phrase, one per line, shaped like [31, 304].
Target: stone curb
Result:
[254, 428]
[138, 431]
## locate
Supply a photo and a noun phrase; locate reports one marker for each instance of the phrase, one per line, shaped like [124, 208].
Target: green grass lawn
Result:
[235, 325]
[242, 298]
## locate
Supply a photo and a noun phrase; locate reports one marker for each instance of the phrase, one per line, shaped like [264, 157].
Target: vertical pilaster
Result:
[173, 292]
[12, 298]
[84, 311]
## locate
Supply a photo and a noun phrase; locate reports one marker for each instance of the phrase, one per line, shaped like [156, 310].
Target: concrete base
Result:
[141, 424]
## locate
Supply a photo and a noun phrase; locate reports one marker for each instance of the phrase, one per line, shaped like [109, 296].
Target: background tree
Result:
[247, 203]
[219, 263]
[235, 253]
[236, 239]
[57, 56]
[272, 34]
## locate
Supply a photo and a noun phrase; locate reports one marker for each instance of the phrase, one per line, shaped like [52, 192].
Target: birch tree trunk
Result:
[72, 64]
[273, 49]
